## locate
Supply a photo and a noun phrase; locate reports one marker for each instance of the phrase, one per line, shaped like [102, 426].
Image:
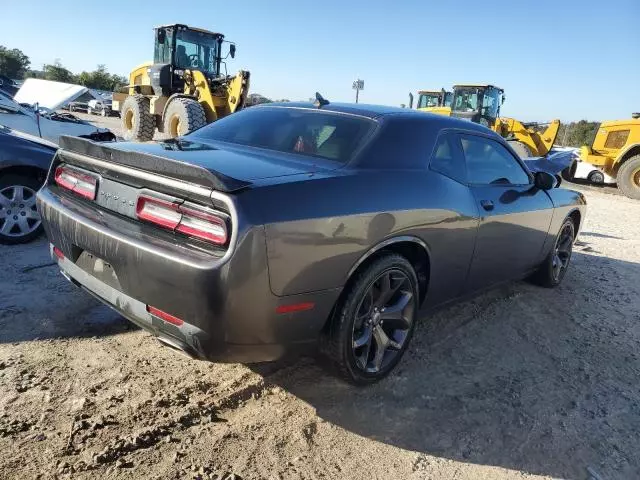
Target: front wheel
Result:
[19, 219]
[373, 324]
[555, 266]
[628, 177]
[183, 115]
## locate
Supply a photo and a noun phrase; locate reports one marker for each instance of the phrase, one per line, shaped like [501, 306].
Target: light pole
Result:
[357, 86]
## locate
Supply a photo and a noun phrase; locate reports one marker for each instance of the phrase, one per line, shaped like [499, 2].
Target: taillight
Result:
[80, 183]
[158, 211]
[202, 225]
[188, 220]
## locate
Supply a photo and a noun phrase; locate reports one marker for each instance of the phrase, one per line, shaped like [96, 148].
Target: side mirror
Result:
[162, 35]
[544, 180]
[232, 50]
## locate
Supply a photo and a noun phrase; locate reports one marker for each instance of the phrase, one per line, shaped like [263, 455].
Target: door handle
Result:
[487, 205]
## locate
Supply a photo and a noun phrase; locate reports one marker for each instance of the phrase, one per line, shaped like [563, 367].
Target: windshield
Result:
[465, 100]
[306, 132]
[491, 103]
[197, 50]
[427, 100]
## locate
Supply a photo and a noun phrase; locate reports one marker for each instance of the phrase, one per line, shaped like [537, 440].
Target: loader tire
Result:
[628, 177]
[182, 116]
[137, 123]
[520, 148]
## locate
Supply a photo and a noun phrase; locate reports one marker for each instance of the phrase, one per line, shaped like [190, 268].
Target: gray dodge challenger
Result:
[287, 226]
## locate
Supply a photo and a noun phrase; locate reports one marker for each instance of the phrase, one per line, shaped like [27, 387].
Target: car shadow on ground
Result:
[38, 303]
[536, 380]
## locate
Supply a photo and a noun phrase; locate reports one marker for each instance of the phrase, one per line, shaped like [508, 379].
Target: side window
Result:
[446, 160]
[489, 163]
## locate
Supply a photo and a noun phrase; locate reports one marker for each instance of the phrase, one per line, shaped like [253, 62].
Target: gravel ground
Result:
[520, 382]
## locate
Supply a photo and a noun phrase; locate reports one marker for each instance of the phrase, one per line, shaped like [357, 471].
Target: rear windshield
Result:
[308, 132]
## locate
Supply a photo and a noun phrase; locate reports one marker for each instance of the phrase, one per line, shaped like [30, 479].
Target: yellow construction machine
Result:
[434, 101]
[184, 88]
[480, 103]
[616, 151]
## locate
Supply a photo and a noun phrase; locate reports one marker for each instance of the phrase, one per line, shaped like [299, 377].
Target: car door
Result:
[515, 215]
[12, 115]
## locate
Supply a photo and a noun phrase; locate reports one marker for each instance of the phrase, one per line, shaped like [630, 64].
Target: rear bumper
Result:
[225, 302]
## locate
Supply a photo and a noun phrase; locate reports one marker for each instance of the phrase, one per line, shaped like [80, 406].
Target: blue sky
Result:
[555, 59]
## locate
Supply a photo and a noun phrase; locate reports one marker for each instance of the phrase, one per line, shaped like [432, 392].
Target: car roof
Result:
[384, 113]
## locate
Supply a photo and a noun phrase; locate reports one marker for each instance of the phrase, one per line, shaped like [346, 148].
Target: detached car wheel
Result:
[19, 219]
[373, 324]
[554, 267]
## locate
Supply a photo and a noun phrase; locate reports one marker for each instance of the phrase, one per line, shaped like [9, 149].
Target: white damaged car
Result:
[33, 110]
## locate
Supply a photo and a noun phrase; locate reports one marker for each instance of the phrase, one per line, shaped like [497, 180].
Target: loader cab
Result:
[477, 103]
[434, 98]
[178, 48]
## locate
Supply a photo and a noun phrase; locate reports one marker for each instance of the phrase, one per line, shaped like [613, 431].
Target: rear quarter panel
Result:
[318, 230]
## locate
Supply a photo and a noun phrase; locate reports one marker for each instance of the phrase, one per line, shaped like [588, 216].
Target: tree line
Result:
[576, 134]
[16, 65]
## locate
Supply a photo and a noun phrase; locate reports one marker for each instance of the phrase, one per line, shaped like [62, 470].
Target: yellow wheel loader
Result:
[616, 151]
[184, 88]
[480, 103]
[434, 101]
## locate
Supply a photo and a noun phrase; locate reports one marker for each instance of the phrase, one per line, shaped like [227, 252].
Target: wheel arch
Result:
[626, 154]
[576, 217]
[414, 249]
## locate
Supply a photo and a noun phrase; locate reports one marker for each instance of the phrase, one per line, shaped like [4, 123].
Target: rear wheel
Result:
[628, 177]
[19, 219]
[520, 148]
[554, 267]
[373, 324]
[183, 115]
[138, 124]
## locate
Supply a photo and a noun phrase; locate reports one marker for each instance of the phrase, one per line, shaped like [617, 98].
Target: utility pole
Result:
[357, 86]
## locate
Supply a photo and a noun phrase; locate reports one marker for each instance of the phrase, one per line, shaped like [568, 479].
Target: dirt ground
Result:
[521, 382]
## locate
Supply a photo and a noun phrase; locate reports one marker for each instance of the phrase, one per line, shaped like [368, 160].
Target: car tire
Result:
[596, 177]
[628, 177]
[373, 322]
[137, 123]
[19, 219]
[553, 269]
[569, 173]
[182, 116]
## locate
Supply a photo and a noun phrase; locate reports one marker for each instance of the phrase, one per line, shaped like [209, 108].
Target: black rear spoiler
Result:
[167, 167]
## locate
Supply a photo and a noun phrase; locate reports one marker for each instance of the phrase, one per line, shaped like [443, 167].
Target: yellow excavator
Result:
[184, 87]
[616, 151]
[480, 103]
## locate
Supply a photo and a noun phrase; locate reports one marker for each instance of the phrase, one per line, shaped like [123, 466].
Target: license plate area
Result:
[98, 268]
[117, 197]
